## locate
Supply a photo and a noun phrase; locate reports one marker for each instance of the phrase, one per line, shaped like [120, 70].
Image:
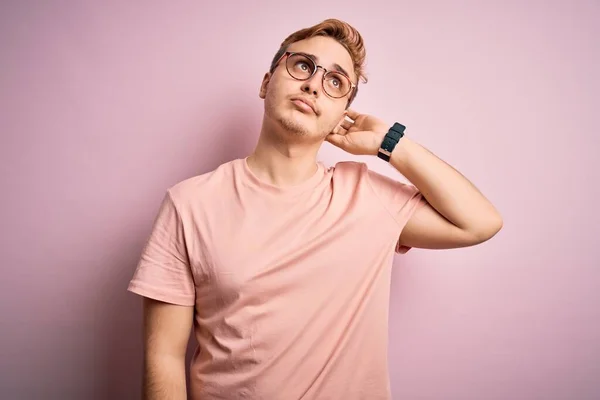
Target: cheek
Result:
[274, 95]
[277, 86]
[333, 115]
[271, 98]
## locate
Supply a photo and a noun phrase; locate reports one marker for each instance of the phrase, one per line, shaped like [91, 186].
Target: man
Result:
[282, 264]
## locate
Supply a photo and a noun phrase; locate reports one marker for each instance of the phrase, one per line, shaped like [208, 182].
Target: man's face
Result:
[281, 91]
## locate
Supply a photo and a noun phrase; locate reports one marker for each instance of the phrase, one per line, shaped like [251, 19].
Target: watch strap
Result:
[390, 141]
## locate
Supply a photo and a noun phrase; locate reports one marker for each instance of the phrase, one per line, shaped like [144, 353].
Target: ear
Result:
[263, 86]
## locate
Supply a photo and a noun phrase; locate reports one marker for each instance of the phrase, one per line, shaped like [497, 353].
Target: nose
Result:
[313, 84]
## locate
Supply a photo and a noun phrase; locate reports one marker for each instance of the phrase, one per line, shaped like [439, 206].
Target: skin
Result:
[167, 330]
[456, 213]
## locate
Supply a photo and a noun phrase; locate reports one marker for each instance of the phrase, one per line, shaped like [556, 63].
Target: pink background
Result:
[105, 105]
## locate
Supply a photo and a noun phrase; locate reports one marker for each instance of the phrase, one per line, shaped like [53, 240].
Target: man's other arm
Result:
[166, 333]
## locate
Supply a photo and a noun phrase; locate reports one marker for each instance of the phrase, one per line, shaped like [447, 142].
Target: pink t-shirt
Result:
[290, 285]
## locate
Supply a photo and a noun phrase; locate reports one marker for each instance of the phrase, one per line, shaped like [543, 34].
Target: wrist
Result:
[378, 139]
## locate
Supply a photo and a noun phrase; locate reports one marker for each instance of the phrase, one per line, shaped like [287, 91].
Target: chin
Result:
[294, 126]
[292, 121]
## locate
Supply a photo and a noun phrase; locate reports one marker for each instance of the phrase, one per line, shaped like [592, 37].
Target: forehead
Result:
[327, 52]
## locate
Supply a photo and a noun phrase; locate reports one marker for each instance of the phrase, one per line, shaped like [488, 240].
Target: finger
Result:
[346, 124]
[352, 114]
[338, 130]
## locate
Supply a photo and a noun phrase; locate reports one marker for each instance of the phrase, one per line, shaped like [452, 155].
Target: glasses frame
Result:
[288, 54]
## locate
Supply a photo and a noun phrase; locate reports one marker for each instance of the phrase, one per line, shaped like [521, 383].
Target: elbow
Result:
[496, 223]
[489, 228]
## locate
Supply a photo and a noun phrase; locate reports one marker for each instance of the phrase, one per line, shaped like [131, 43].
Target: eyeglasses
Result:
[301, 67]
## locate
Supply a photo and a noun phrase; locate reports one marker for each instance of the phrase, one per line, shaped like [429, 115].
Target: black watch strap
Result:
[390, 141]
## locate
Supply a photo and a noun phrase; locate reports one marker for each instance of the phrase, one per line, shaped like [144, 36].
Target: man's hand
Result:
[362, 135]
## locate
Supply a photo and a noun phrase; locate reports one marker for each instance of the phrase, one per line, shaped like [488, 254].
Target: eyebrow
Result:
[336, 66]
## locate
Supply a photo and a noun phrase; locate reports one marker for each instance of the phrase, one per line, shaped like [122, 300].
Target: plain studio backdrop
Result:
[104, 105]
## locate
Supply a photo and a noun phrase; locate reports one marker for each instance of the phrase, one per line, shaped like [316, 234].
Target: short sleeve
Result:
[400, 199]
[163, 272]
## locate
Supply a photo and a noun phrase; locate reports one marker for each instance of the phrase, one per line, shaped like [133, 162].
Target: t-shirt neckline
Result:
[309, 183]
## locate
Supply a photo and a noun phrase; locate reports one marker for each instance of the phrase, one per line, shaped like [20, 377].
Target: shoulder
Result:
[350, 176]
[349, 169]
[202, 186]
[362, 175]
[358, 172]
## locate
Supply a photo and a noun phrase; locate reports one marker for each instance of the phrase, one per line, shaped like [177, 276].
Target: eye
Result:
[303, 66]
[334, 80]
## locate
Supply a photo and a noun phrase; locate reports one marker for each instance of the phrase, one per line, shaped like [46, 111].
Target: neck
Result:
[283, 162]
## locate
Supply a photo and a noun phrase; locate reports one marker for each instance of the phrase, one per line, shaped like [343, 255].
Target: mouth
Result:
[304, 105]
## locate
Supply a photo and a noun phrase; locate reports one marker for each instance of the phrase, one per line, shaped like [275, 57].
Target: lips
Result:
[306, 102]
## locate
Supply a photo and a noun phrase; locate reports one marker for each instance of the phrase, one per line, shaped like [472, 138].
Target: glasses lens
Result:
[336, 84]
[299, 66]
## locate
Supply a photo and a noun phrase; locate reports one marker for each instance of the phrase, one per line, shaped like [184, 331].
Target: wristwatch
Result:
[390, 141]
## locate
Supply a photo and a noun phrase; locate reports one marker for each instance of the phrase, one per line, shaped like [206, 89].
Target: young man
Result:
[282, 264]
